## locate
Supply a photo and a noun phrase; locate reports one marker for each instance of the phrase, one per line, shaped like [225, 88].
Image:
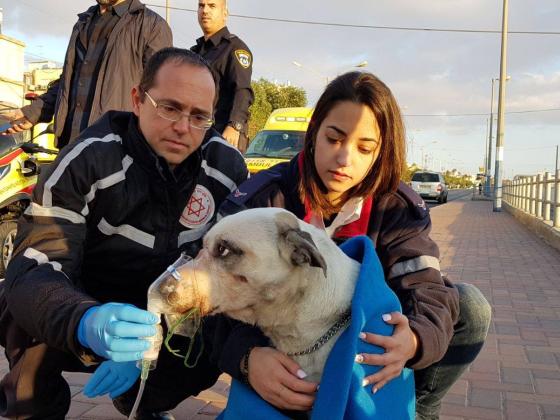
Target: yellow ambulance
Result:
[280, 139]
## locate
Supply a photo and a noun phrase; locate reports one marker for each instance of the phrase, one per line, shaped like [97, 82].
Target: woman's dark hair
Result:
[385, 174]
[176, 55]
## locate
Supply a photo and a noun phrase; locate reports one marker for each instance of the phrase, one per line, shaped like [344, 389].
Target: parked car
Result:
[430, 185]
[280, 139]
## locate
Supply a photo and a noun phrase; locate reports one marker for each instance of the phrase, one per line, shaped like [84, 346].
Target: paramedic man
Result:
[113, 211]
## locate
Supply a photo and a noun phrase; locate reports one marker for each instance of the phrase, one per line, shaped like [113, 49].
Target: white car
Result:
[430, 185]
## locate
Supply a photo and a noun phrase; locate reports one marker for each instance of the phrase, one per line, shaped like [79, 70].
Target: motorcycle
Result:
[20, 164]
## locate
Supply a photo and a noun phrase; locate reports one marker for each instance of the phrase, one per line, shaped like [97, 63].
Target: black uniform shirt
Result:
[90, 47]
[232, 63]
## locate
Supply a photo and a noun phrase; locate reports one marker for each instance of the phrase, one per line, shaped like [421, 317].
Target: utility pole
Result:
[501, 110]
[490, 132]
[167, 14]
[556, 166]
[486, 153]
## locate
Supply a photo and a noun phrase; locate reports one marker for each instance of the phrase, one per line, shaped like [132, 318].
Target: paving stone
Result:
[541, 357]
[548, 386]
[483, 365]
[470, 412]
[516, 410]
[485, 398]
[550, 410]
[507, 329]
[103, 411]
[516, 375]
[78, 409]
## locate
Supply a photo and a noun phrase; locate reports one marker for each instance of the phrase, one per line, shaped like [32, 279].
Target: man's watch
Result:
[237, 125]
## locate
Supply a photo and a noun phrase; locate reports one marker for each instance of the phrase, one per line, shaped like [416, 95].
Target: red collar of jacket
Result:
[355, 228]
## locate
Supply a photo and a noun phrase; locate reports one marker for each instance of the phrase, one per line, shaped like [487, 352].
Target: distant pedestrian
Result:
[232, 63]
[108, 48]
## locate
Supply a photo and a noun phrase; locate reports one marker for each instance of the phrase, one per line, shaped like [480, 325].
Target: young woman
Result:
[347, 181]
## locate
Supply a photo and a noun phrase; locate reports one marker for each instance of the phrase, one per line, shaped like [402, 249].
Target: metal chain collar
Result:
[341, 323]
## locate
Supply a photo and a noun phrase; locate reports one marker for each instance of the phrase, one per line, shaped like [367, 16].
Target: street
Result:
[452, 195]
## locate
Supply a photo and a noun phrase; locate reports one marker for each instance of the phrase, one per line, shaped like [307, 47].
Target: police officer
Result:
[232, 63]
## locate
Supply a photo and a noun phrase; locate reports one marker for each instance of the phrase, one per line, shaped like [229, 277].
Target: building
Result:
[12, 85]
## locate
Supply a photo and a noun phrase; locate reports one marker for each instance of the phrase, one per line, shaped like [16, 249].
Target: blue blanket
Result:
[341, 395]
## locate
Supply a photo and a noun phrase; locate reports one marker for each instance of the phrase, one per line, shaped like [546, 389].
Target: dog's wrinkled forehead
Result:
[249, 228]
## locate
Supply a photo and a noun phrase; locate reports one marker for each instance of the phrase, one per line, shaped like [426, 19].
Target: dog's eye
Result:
[223, 251]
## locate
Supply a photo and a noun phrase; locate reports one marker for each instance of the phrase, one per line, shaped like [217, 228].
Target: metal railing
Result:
[537, 195]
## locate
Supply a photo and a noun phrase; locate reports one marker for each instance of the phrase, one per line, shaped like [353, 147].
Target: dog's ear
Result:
[300, 243]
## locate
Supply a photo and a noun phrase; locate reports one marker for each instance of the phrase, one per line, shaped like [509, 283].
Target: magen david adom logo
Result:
[199, 209]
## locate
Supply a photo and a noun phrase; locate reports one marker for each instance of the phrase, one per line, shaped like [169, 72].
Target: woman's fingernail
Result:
[359, 358]
[374, 390]
[365, 382]
[362, 336]
[318, 386]
[301, 374]
[386, 317]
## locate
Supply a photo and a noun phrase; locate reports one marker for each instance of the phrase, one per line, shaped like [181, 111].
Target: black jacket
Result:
[136, 37]
[107, 218]
[232, 62]
[399, 227]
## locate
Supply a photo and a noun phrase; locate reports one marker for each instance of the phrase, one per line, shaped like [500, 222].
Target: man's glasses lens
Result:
[173, 114]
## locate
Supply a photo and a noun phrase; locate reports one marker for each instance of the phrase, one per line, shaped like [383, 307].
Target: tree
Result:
[259, 110]
[270, 96]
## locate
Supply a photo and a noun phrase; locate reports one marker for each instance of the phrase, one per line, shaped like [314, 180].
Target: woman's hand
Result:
[399, 348]
[279, 380]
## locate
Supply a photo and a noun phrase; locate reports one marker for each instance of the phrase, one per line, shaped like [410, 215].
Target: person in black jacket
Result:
[347, 181]
[114, 210]
[232, 63]
[108, 48]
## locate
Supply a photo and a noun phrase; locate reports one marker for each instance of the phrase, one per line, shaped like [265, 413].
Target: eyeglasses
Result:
[170, 113]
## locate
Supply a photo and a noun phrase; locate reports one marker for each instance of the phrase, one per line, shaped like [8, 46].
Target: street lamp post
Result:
[167, 15]
[501, 111]
[425, 156]
[485, 165]
[489, 160]
[490, 136]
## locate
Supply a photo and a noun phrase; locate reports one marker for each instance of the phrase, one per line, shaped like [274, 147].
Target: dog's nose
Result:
[173, 298]
[167, 287]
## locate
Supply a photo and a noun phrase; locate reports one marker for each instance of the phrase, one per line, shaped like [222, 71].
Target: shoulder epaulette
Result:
[414, 201]
[238, 198]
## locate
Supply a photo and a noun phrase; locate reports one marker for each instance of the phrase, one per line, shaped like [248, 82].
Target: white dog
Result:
[267, 268]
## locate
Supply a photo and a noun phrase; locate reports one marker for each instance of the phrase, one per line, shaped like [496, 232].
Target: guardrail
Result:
[537, 195]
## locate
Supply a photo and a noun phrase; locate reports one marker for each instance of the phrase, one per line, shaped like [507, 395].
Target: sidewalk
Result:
[517, 375]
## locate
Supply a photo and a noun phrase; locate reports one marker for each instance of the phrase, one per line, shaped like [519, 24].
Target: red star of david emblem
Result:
[196, 206]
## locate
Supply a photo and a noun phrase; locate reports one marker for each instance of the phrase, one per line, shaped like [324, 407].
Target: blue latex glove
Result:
[113, 378]
[115, 330]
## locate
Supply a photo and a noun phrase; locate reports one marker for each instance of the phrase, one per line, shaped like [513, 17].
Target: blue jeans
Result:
[433, 382]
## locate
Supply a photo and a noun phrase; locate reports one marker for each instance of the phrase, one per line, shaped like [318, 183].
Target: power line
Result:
[481, 114]
[349, 25]
[40, 56]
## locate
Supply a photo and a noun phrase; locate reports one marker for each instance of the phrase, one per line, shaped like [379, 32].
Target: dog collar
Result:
[341, 323]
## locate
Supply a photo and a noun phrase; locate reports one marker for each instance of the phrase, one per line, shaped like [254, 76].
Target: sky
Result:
[437, 77]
